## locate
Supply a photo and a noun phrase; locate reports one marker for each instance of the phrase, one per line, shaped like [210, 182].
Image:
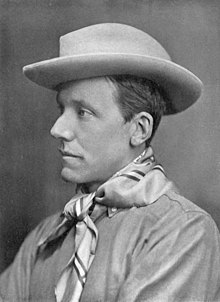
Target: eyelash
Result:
[80, 111]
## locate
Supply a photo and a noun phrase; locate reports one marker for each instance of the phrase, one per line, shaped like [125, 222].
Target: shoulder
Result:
[169, 206]
[17, 275]
[29, 245]
[170, 214]
[173, 244]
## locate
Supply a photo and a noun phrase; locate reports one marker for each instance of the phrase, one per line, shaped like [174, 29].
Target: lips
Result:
[68, 153]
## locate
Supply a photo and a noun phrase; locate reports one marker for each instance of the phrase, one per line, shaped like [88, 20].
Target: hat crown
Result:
[107, 38]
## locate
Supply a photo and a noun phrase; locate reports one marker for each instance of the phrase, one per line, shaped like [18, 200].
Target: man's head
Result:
[120, 70]
[100, 127]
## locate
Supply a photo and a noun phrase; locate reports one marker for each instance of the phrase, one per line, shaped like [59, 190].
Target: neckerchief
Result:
[138, 184]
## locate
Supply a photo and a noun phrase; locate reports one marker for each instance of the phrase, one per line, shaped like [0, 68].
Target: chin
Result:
[68, 176]
[73, 176]
[77, 177]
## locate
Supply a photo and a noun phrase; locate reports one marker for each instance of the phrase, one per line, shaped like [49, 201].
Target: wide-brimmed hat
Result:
[112, 49]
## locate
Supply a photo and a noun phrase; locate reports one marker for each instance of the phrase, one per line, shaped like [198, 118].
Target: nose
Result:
[62, 129]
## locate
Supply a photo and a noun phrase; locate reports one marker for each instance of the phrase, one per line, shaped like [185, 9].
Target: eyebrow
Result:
[76, 102]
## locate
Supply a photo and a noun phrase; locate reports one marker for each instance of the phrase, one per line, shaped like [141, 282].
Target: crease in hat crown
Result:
[113, 48]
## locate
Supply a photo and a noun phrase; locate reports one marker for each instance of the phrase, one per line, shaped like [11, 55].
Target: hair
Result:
[137, 94]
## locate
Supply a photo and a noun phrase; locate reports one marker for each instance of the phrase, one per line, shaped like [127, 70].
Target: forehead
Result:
[98, 92]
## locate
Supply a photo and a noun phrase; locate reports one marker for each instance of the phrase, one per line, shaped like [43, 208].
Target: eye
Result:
[81, 112]
[84, 112]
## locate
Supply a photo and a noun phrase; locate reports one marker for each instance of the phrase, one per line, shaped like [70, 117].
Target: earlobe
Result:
[142, 129]
[134, 141]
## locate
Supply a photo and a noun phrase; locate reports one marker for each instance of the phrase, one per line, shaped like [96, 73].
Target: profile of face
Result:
[95, 140]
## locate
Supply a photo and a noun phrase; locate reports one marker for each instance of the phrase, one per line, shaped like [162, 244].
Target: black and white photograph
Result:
[110, 151]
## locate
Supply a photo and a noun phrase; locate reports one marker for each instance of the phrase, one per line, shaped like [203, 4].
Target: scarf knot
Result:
[79, 208]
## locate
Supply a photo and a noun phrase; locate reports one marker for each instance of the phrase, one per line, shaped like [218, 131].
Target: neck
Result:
[91, 187]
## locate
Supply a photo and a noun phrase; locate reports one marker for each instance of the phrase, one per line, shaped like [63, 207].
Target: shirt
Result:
[166, 251]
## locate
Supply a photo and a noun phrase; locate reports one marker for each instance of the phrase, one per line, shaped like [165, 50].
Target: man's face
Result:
[95, 140]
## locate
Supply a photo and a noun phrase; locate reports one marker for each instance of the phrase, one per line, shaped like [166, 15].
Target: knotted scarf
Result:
[138, 184]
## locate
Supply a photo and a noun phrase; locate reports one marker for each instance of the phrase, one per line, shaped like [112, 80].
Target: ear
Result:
[141, 129]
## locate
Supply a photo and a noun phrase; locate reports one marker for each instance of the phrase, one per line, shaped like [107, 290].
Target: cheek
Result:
[106, 140]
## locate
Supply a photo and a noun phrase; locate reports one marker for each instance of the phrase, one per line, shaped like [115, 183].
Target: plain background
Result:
[187, 144]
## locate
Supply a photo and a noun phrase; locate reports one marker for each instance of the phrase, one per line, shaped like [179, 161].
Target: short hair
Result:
[137, 94]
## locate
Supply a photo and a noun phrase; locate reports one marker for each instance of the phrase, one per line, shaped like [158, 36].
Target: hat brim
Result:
[181, 86]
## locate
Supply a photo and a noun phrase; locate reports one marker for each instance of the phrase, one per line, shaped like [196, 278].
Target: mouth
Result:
[65, 153]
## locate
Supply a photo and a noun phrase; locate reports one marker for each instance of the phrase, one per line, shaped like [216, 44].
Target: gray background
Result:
[187, 144]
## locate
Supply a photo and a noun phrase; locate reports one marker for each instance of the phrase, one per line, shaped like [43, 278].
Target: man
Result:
[127, 234]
